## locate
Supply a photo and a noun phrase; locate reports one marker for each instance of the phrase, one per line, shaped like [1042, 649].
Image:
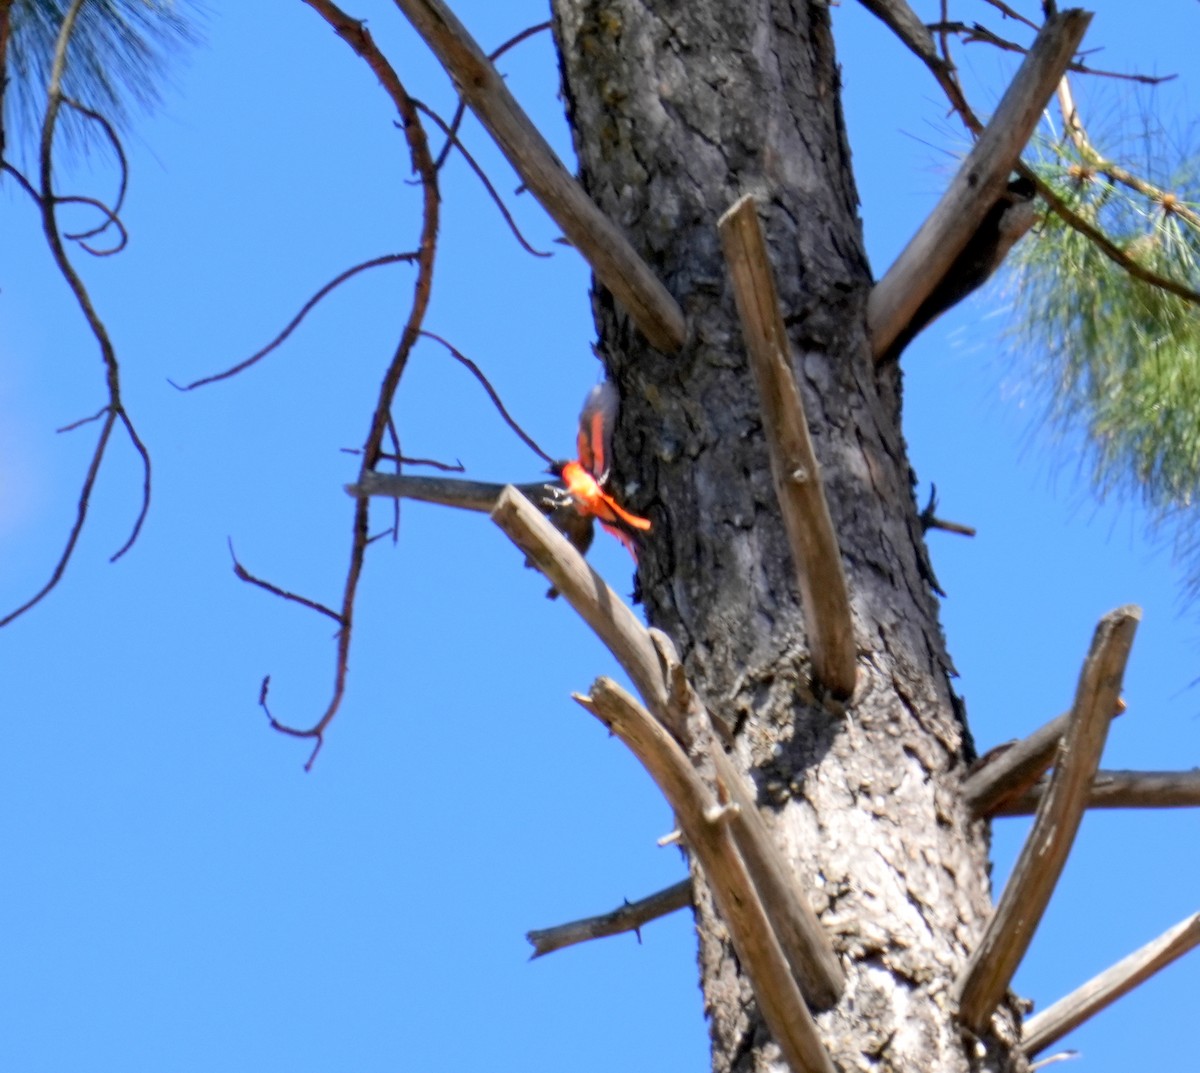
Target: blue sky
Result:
[179, 895]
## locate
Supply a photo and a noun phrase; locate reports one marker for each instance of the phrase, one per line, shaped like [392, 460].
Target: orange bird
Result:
[586, 476]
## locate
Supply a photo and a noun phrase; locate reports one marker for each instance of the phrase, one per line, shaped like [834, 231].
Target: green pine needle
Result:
[1119, 358]
[117, 62]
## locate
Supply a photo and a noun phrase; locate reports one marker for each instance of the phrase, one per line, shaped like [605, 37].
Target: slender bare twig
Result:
[1010, 931]
[114, 412]
[976, 187]
[631, 916]
[294, 323]
[1119, 789]
[1048, 1027]
[797, 476]
[476, 372]
[122, 169]
[701, 817]
[616, 264]
[242, 574]
[481, 175]
[359, 39]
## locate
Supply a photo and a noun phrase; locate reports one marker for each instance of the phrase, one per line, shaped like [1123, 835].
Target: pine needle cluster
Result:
[1119, 358]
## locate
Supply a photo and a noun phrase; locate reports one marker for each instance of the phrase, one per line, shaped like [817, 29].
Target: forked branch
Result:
[630, 916]
[978, 184]
[1048, 1027]
[1011, 929]
[616, 264]
[797, 477]
[703, 820]
[650, 660]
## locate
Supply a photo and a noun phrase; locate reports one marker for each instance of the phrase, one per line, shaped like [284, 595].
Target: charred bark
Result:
[678, 110]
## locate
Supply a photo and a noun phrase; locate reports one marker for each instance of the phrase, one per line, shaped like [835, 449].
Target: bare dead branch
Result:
[978, 184]
[122, 169]
[608, 616]
[1120, 789]
[476, 372]
[616, 264]
[1011, 769]
[481, 175]
[700, 818]
[449, 491]
[294, 323]
[358, 38]
[631, 916]
[115, 409]
[493, 56]
[1048, 1027]
[655, 671]
[797, 476]
[805, 943]
[906, 25]
[1010, 931]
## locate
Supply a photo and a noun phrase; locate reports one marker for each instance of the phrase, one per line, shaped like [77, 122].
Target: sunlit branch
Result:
[1010, 769]
[978, 184]
[493, 56]
[631, 916]
[608, 616]
[294, 323]
[797, 476]
[450, 491]
[1027, 893]
[616, 264]
[704, 821]
[1048, 1027]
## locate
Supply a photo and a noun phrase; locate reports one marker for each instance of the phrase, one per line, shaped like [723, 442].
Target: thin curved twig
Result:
[115, 409]
[242, 574]
[123, 168]
[474, 165]
[356, 35]
[475, 371]
[294, 323]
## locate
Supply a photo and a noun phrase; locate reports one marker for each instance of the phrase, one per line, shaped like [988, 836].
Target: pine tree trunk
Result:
[679, 109]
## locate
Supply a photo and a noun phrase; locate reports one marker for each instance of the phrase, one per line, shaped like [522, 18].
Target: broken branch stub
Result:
[1008, 934]
[798, 485]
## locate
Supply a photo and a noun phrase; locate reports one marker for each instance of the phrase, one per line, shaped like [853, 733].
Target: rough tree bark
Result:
[678, 110]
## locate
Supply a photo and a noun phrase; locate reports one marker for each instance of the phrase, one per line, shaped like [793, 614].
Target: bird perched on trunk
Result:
[586, 476]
